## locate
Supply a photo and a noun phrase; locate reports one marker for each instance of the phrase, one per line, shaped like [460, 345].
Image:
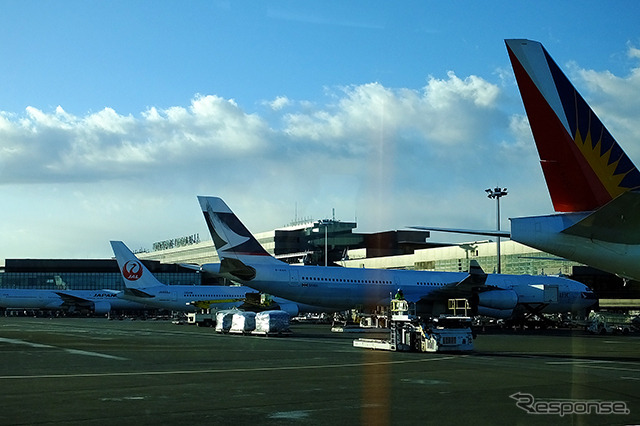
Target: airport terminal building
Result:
[329, 242]
[83, 274]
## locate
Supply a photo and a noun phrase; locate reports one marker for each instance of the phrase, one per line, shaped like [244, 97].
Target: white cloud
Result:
[107, 121]
[391, 157]
[279, 103]
[447, 93]
[446, 112]
[61, 147]
[616, 100]
[633, 52]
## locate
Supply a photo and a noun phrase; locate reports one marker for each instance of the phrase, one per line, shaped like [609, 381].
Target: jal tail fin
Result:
[583, 165]
[231, 238]
[135, 275]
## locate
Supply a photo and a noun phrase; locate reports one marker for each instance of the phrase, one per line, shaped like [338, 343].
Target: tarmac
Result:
[97, 371]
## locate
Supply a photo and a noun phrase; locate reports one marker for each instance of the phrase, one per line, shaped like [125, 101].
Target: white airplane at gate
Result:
[593, 184]
[244, 260]
[143, 287]
[96, 301]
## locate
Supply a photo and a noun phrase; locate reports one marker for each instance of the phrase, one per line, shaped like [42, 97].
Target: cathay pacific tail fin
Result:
[232, 239]
[583, 165]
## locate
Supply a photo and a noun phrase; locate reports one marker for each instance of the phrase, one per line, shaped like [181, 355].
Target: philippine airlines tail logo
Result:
[132, 270]
[583, 165]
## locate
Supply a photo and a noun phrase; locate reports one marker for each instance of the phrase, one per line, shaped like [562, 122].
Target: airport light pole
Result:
[496, 193]
[324, 223]
[326, 245]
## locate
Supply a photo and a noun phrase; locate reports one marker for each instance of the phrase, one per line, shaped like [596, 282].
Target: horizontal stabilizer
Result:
[191, 266]
[616, 222]
[237, 269]
[488, 233]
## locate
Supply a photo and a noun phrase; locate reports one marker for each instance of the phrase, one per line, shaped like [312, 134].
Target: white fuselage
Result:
[345, 288]
[29, 299]
[186, 298]
[545, 233]
[180, 297]
[103, 300]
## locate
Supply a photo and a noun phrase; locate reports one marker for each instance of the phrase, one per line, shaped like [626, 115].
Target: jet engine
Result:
[290, 308]
[101, 308]
[495, 303]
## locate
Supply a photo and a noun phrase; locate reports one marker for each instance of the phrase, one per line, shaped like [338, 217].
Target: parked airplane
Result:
[594, 186]
[96, 301]
[243, 259]
[143, 287]
[590, 178]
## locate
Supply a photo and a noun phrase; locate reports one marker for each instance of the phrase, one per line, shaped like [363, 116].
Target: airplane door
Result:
[168, 296]
[550, 294]
[294, 279]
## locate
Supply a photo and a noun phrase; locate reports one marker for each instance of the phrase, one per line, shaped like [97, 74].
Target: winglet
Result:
[135, 275]
[583, 165]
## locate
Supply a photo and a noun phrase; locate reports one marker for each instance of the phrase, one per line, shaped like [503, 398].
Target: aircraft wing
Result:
[72, 299]
[488, 233]
[617, 221]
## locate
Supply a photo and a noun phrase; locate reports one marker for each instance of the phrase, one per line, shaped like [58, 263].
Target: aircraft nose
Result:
[588, 298]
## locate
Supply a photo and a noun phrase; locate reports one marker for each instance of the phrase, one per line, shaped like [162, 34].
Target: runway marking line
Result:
[68, 350]
[580, 361]
[585, 363]
[635, 370]
[228, 370]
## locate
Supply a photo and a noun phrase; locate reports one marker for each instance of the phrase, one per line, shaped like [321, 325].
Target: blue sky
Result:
[115, 115]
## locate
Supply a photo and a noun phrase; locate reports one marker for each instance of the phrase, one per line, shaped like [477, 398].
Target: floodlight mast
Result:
[496, 193]
[324, 223]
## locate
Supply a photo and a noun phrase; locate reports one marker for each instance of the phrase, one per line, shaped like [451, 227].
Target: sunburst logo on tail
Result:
[601, 163]
[613, 168]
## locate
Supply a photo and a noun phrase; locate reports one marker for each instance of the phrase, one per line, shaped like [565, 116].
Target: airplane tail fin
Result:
[232, 239]
[583, 165]
[134, 274]
[59, 282]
